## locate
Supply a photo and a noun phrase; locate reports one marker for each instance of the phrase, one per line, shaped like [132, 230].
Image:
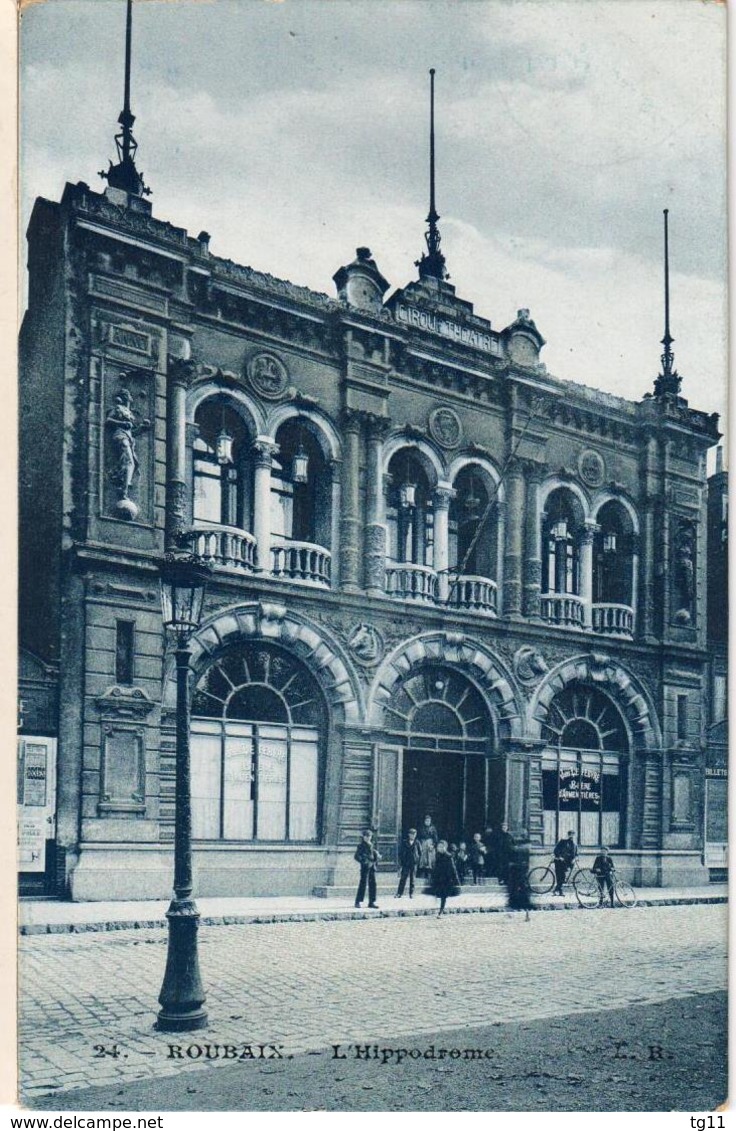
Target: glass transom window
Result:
[257, 742]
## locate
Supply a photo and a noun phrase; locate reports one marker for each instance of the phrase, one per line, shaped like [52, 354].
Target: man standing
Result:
[504, 847]
[409, 853]
[565, 852]
[367, 856]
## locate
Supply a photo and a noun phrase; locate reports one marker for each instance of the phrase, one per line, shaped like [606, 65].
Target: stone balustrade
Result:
[477, 594]
[411, 582]
[563, 609]
[613, 620]
[225, 546]
[302, 561]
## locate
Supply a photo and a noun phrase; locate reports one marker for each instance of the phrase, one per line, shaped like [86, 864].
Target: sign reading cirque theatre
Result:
[426, 320]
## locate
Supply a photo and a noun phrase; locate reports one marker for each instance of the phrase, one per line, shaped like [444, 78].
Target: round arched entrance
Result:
[584, 767]
[258, 740]
[442, 722]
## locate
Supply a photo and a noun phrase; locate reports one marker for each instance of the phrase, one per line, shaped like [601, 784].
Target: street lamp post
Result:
[182, 997]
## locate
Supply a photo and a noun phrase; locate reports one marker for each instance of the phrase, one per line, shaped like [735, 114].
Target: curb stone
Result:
[332, 915]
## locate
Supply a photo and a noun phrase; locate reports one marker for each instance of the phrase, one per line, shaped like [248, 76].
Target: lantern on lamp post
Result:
[183, 581]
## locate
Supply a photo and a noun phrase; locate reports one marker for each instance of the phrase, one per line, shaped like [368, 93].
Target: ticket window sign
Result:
[36, 801]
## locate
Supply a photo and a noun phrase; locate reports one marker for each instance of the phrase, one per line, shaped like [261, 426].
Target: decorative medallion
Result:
[529, 665]
[268, 376]
[445, 427]
[366, 644]
[591, 467]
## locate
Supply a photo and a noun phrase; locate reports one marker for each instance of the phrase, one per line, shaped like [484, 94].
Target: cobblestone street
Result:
[306, 985]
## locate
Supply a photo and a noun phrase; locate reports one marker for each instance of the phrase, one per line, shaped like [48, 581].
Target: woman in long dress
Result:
[428, 838]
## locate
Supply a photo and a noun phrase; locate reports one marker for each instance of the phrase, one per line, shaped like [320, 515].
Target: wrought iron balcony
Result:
[563, 609]
[478, 594]
[302, 561]
[225, 546]
[411, 582]
[613, 620]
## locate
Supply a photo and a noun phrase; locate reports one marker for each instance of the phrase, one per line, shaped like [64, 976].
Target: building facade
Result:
[444, 581]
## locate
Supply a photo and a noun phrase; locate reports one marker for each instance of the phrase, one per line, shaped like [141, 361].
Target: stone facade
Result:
[507, 539]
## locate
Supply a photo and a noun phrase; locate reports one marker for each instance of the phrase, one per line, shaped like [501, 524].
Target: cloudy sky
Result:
[294, 131]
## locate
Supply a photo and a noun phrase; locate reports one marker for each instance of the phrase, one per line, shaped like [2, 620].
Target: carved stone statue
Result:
[685, 575]
[122, 425]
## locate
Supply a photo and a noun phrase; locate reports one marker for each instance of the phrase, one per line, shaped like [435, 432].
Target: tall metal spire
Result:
[125, 175]
[669, 380]
[432, 262]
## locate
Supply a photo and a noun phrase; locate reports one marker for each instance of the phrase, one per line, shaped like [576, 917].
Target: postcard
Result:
[372, 677]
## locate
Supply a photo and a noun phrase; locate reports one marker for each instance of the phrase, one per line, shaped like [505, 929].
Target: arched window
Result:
[221, 467]
[409, 510]
[584, 767]
[472, 539]
[258, 733]
[300, 486]
[612, 562]
[561, 530]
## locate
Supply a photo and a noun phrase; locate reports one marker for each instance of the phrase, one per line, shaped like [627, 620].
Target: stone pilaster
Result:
[532, 543]
[375, 530]
[350, 514]
[180, 373]
[514, 529]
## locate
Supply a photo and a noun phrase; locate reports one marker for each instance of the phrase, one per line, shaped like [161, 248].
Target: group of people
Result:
[446, 866]
[424, 854]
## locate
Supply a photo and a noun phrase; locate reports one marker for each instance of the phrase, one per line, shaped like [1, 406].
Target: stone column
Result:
[442, 497]
[349, 517]
[513, 534]
[335, 466]
[532, 543]
[635, 580]
[263, 450]
[177, 511]
[587, 536]
[647, 604]
[375, 529]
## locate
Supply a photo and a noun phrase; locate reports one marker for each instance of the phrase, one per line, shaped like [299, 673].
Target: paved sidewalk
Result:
[88, 1001]
[46, 917]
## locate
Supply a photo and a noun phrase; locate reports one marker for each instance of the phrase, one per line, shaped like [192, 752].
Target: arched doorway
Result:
[584, 768]
[440, 719]
[258, 739]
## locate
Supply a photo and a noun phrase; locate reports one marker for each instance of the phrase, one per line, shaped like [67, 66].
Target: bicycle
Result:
[623, 893]
[542, 880]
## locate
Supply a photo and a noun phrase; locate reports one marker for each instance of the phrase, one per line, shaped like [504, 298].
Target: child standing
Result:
[461, 861]
[477, 855]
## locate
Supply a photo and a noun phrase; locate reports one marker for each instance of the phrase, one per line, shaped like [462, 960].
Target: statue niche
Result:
[684, 573]
[122, 463]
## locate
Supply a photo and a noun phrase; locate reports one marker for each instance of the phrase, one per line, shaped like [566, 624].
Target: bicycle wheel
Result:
[586, 889]
[625, 894]
[541, 880]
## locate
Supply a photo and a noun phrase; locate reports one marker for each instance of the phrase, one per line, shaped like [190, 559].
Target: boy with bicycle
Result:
[603, 870]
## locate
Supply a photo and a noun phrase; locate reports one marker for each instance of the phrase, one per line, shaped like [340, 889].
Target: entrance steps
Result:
[386, 887]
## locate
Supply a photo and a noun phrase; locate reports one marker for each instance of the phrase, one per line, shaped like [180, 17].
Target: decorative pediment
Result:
[126, 702]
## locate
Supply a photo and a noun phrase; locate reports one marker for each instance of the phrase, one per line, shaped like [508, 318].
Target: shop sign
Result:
[580, 785]
[31, 841]
[716, 772]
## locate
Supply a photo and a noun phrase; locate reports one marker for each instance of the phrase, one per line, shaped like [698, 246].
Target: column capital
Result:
[535, 472]
[378, 426]
[443, 496]
[516, 467]
[264, 448]
[351, 419]
[589, 530]
[181, 371]
[334, 464]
